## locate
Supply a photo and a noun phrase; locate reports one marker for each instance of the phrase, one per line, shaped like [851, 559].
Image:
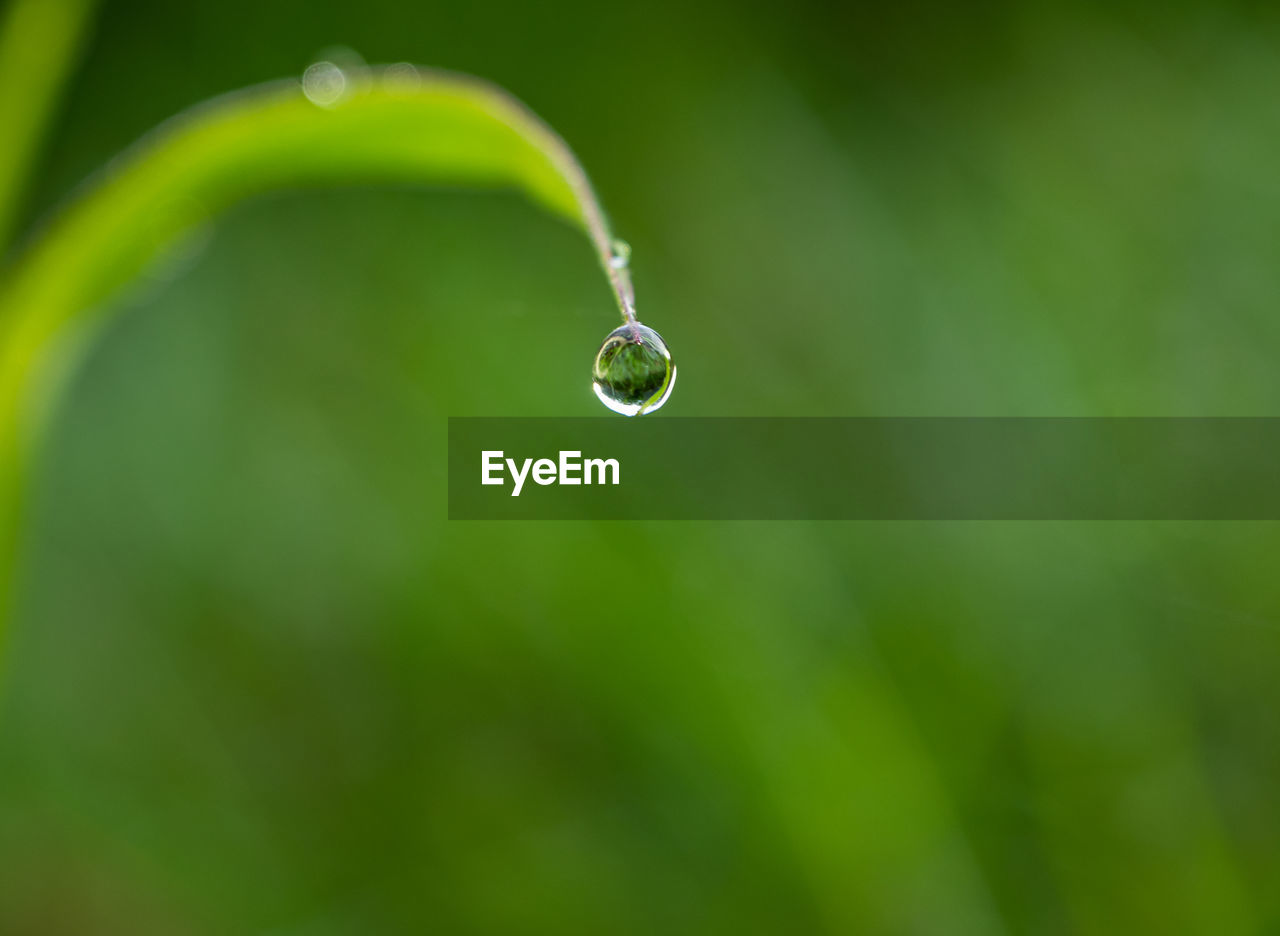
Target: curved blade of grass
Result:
[388, 125]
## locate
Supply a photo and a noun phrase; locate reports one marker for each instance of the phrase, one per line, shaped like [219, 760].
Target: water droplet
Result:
[621, 255]
[633, 372]
[402, 77]
[324, 84]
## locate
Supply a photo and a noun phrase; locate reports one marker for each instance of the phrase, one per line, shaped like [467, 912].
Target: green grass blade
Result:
[376, 125]
[39, 41]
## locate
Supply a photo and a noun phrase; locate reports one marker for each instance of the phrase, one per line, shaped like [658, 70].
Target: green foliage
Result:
[258, 683]
[395, 125]
[38, 44]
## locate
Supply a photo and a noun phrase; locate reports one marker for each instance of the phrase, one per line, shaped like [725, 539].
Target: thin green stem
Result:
[593, 216]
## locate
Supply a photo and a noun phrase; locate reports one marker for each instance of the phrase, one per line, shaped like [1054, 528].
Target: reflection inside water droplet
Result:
[633, 372]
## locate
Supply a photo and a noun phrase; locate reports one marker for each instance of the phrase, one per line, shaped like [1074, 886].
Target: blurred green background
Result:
[259, 684]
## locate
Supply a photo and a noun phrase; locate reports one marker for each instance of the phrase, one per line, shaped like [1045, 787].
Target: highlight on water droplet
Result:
[324, 84]
[633, 372]
[621, 256]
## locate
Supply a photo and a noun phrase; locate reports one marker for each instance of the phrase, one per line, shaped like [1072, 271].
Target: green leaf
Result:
[398, 124]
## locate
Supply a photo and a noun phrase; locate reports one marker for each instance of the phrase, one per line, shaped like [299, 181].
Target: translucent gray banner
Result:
[865, 469]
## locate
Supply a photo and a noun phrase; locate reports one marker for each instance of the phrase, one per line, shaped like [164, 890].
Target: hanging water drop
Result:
[633, 372]
[621, 255]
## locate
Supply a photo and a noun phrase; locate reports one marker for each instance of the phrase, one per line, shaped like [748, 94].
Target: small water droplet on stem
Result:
[402, 77]
[324, 84]
[621, 255]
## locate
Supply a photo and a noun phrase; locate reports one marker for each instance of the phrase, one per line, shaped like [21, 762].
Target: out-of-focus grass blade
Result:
[38, 43]
[398, 124]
